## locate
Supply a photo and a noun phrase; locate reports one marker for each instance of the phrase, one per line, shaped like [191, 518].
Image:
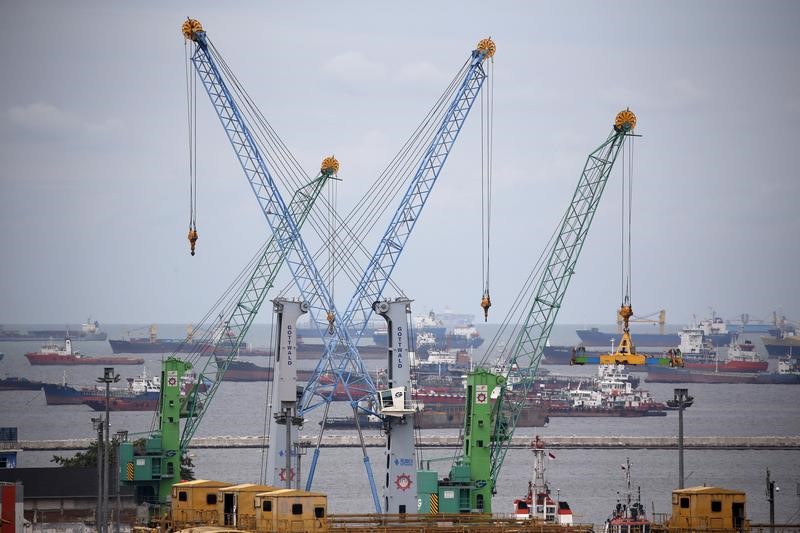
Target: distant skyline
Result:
[94, 181]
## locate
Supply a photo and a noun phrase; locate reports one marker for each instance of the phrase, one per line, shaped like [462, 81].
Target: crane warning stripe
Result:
[434, 504]
[130, 471]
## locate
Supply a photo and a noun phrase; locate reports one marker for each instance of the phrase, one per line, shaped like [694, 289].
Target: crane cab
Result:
[395, 402]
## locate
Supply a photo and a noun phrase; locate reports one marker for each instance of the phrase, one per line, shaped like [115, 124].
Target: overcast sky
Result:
[94, 194]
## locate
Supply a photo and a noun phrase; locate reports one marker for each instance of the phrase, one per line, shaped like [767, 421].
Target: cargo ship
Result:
[564, 355]
[53, 354]
[141, 387]
[782, 345]
[788, 373]
[715, 330]
[90, 331]
[152, 344]
[699, 354]
[247, 371]
[457, 334]
[446, 416]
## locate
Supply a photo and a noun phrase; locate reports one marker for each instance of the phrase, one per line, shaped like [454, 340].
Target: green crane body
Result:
[492, 405]
[153, 468]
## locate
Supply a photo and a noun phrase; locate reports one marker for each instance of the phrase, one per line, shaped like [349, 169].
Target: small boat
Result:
[539, 504]
[628, 515]
[53, 354]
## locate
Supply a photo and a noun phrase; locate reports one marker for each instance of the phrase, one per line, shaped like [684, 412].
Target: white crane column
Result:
[400, 490]
[283, 427]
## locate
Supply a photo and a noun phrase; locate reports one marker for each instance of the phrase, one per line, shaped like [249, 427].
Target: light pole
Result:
[771, 488]
[98, 427]
[108, 378]
[681, 400]
[120, 436]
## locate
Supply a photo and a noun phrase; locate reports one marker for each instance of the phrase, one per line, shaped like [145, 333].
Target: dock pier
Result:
[452, 441]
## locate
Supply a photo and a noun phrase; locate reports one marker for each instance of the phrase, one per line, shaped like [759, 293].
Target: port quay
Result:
[452, 441]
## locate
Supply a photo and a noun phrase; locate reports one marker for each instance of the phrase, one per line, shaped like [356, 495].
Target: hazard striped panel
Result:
[434, 504]
[130, 471]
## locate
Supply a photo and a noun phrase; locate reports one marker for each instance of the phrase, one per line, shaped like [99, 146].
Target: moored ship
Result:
[461, 335]
[53, 354]
[89, 331]
[16, 383]
[539, 504]
[715, 330]
[785, 344]
[788, 373]
[142, 387]
[699, 354]
[628, 515]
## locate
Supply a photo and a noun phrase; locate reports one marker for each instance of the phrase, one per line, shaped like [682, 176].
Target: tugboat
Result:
[628, 515]
[538, 503]
[53, 354]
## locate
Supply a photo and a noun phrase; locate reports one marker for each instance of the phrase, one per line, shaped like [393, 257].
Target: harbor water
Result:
[589, 479]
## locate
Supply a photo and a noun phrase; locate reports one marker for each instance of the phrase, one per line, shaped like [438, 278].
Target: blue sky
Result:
[93, 185]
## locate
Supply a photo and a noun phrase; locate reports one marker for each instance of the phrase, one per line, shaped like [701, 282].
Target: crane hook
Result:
[192, 238]
[486, 303]
[331, 318]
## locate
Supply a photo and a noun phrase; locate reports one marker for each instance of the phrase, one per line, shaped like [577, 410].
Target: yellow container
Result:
[289, 510]
[708, 508]
[195, 502]
[236, 505]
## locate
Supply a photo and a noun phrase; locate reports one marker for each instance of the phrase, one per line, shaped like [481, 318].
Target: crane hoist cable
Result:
[268, 397]
[487, 129]
[191, 116]
[331, 240]
[625, 312]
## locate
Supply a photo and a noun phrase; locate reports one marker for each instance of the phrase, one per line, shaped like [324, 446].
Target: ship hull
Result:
[683, 375]
[247, 371]
[728, 366]
[594, 337]
[145, 402]
[13, 383]
[56, 394]
[48, 334]
[304, 350]
[65, 360]
[782, 347]
[440, 417]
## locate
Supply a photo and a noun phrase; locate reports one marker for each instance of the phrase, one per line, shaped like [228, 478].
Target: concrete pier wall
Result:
[441, 441]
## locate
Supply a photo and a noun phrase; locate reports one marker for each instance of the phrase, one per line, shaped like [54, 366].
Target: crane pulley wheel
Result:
[190, 27]
[487, 46]
[330, 165]
[625, 121]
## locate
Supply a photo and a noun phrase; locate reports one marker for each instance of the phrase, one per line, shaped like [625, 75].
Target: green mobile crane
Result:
[495, 398]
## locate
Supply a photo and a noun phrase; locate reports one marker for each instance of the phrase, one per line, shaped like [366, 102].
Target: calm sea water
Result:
[588, 479]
